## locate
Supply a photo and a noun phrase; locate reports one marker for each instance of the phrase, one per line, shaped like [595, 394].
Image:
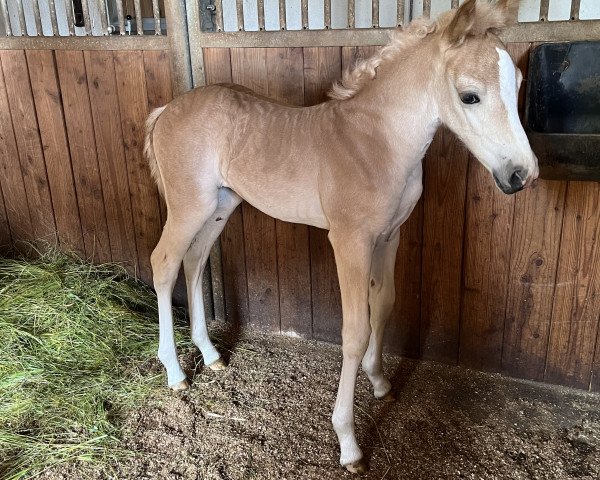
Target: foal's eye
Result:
[469, 98]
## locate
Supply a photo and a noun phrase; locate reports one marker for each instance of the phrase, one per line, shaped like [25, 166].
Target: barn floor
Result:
[268, 417]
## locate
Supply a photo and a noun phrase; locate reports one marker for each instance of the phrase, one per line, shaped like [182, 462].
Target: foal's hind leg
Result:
[382, 295]
[181, 227]
[194, 262]
[353, 260]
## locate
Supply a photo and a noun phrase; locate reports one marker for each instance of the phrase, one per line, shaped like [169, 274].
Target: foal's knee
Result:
[356, 342]
[164, 270]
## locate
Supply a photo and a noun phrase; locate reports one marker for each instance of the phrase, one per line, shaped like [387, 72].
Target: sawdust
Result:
[268, 417]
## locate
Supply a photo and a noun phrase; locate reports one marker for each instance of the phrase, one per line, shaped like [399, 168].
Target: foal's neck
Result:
[403, 94]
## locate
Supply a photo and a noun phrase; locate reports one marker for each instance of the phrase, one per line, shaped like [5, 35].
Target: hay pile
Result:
[77, 349]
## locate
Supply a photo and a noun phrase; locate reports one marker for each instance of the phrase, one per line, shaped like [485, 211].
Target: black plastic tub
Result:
[562, 116]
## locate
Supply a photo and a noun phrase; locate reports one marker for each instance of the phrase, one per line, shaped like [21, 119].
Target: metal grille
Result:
[282, 15]
[53, 18]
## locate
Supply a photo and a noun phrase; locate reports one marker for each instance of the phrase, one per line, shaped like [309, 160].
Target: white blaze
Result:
[508, 94]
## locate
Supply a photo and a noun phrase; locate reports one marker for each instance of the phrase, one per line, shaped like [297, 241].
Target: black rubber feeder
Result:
[562, 117]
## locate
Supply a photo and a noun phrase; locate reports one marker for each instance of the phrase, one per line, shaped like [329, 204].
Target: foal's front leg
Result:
[353, 260]
[382, 295]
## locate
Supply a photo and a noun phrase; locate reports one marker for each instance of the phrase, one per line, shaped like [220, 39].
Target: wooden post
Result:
[177, 34]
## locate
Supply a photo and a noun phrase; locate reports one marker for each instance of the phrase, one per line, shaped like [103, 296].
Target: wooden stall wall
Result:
[71, 136]
[501, 283]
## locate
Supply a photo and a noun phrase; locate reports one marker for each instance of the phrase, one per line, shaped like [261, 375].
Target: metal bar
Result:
[351, 14]
[400, 13]
[261, 14]
[148, 42]
[219, 15]
[156, 13]
[54, 22]
[181, 68]
[525, 32]
[327, 13]
[304, 8]
[544, 10]
[139, 23]
[4, 8]
[575, 9]
[375, 13]
[282, 20]
[121, 17]
[239, 7]
[38, 19]
[86, 17]
[454, 4]
[427, 8]
[69, 15]
[21, 14]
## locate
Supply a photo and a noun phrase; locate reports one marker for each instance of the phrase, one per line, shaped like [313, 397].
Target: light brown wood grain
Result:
[249, 68]
[285, 77]
[574, 327]
[111, 156]
[158, 87]
[145, 207]
[487, 254]
[29, 146]
[82, 148]
[445, 174]
[11, 180]
[535, 248]
[48, 105]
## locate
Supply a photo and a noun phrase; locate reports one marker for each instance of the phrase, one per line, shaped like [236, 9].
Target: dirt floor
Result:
[268, 417]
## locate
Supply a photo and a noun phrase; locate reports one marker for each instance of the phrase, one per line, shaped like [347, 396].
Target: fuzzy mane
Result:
[478, 18]
[366, 69]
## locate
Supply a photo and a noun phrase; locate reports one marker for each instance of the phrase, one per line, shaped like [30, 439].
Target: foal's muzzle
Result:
[513, 182]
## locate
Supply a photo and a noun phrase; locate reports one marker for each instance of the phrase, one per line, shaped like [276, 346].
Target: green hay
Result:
[76, 345]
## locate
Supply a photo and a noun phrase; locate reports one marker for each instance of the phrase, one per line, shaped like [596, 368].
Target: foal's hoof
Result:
[388, 397]
[218, 365]
[183, 385]
[358, 467]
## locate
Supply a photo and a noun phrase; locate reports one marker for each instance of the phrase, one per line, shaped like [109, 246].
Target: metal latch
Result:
[207, 16]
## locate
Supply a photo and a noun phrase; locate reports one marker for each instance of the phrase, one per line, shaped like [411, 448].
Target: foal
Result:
[351, 165]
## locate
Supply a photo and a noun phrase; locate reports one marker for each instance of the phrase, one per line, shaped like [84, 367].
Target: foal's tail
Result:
[149, 148]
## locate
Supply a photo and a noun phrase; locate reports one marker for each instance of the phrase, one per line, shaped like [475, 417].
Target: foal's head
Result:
[477, 91]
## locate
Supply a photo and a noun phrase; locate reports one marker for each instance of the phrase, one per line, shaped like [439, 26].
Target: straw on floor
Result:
[77, 349]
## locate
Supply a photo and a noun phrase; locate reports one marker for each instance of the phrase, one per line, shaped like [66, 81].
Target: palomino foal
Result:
[351, 165]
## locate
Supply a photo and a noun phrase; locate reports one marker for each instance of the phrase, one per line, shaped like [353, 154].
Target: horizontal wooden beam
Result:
[109, 42]
[523, 32]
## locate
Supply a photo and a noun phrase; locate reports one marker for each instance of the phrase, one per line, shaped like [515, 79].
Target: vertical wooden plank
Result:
[133, 102]
[11, 179]
[574, 327]
[249, 68]
[158, 86]
[535, 247]
[82, 146]
[48, 103]
[217, 65]
[488, 230]
[111, 155]
[534, 258]
[322, 66]
[285, 83]
[595, 380]
[403, 330]
[27, 135]
[445, 172]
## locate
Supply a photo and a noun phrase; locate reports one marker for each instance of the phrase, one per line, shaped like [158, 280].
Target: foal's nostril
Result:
[517, 180]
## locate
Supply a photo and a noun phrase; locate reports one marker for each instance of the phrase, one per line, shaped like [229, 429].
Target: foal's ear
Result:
[462, 23]
[477, 17]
